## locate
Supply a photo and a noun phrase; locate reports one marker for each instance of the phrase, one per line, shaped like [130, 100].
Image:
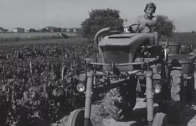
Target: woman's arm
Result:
[151, 22]
[145, 23]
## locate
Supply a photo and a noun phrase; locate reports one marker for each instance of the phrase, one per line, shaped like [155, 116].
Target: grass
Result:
[10, 37]
[45, 41]
[184, 38]
[35, 34]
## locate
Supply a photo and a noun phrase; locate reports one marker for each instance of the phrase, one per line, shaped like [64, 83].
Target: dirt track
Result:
[139, 115]
[101, 118]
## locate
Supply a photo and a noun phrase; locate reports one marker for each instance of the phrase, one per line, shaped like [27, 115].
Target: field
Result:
[12, 37]
[33, 91]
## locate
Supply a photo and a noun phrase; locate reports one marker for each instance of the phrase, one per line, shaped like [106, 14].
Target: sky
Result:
[70, 13]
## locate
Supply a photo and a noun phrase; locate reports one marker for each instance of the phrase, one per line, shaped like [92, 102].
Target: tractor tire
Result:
[190, 90]
[175, 110]
[76, 118]
[160, 119]
[120, 103]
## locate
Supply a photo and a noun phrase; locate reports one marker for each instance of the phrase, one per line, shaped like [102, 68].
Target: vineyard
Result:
[33, 89]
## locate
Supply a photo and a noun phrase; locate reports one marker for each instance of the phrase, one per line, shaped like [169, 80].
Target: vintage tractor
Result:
[126, 61]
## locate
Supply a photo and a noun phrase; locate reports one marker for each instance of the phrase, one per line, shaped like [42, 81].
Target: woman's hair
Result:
[151, 5]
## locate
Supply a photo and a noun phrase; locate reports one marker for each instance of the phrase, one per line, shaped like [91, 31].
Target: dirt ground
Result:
[101, 118]
[139, 115]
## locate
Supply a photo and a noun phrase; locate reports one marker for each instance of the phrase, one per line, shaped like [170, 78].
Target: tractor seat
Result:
[131, 40]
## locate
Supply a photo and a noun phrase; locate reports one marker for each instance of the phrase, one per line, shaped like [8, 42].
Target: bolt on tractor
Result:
[132, 63]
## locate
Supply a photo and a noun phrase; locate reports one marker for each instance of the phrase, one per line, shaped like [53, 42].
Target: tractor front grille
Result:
[115, 54]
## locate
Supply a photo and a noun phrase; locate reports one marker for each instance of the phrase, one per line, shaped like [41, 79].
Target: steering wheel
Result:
[147, 29]
[131, 28]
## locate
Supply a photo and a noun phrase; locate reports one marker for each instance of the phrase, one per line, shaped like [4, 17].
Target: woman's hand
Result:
[144, 28]
[142, 25]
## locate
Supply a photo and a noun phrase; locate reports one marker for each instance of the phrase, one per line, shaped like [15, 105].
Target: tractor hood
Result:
[135, 39]
[121, 48]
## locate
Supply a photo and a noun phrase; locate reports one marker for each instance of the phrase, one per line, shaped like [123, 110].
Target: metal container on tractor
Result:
[174, 47]
[126, 61]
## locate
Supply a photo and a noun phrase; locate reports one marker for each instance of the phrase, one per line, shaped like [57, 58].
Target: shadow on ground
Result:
[190, 113]
[139, 116]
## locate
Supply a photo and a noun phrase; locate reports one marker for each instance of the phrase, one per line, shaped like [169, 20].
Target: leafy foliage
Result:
[165, 26]
[32, 92]
[98, 19]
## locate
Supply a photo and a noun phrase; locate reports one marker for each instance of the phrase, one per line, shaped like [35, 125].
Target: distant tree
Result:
[192, 31]
[165, 26]
[98, 19]
[57, 30]
[45, 30]
[32, 30]
[5, 30]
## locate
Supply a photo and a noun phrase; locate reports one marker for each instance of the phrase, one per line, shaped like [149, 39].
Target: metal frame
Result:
[91, 79]
[148, 73]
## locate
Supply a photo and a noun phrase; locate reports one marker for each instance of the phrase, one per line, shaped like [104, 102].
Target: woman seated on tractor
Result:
[147, 22]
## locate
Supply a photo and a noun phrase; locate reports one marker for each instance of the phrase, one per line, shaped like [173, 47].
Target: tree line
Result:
[102, 18]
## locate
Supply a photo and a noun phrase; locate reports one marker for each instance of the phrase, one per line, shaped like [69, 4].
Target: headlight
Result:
[157, 87]
[80, 87]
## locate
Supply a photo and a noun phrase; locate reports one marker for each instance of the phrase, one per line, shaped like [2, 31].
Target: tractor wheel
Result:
[76, 118]
[190, 90]
[120, 103]
[160, 119]
[175, 111]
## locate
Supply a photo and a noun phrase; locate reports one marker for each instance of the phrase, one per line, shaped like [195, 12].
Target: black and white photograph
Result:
[97, 63]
